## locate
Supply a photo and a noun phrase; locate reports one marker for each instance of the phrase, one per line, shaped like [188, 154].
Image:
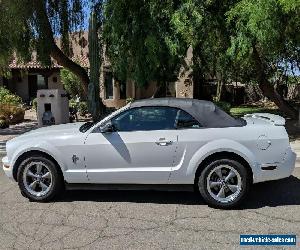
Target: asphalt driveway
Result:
[144, 219]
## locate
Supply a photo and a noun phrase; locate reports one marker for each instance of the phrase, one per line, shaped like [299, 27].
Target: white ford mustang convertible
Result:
[154, 143]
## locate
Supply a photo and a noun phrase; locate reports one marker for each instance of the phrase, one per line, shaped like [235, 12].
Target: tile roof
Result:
[34, 64]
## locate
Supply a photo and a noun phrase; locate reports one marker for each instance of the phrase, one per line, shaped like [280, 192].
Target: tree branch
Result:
[55, 52]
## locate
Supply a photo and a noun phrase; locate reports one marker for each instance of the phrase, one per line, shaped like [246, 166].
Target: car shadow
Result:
[272, 194]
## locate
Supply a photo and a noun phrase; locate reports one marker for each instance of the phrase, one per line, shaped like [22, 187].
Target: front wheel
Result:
[224, 183]
[39, 179]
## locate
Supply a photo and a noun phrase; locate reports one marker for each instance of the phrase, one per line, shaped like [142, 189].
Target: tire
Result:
[219, 191]
[39, 179]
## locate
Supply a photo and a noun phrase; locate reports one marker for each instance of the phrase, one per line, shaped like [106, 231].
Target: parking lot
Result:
[144, 219]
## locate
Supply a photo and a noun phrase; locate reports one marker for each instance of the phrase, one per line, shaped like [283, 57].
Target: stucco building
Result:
[27, 78]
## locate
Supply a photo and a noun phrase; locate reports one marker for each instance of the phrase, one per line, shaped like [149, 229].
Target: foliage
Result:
[223, 105]
[35, 26]
[141, 44]
[83, 108]
[242, 40]
[13, 113]
[6, 97]
[26, 33]
[34, 103]
[71, 83]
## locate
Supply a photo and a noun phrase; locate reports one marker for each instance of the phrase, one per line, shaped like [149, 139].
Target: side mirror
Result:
[107, 128]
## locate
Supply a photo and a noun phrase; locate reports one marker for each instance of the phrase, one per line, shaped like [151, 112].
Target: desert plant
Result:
[12, 113]
[6, 97]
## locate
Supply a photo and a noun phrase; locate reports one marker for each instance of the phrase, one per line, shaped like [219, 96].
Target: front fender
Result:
[42, 146]
[222, 145]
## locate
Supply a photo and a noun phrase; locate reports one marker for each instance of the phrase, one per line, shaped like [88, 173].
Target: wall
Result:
[146, 92]
[21, 86]
[52, 84]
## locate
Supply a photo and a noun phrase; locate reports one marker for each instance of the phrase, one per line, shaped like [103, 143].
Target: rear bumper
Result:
[283, 169]
[7, 168]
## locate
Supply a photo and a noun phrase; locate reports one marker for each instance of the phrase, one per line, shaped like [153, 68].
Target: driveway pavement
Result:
[144, 219]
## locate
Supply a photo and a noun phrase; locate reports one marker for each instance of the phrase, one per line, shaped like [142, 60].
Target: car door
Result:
[191, 137]
[140, 150]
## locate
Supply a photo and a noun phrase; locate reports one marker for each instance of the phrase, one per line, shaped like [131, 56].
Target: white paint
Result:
[138, 158]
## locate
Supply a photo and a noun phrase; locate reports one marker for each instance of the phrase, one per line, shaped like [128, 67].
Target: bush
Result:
[34, 103]
[12, 113]
[6, 97]
[83, 108]
[11, 110]
[226, 106]
[71, 83]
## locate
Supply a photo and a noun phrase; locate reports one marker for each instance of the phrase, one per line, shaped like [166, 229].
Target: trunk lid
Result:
[264, 119]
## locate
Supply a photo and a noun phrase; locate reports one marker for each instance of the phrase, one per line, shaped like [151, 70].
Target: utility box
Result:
[52, 107]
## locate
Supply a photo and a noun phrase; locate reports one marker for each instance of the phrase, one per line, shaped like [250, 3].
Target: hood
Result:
[62, 129]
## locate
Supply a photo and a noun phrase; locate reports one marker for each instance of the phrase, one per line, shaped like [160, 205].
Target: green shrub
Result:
[83, 108]
[6, 97]
[71, 83]
[226, 106]
[34, 103]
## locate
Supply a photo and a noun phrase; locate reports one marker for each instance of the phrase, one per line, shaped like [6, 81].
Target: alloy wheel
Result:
[224, 183]
[37, 178]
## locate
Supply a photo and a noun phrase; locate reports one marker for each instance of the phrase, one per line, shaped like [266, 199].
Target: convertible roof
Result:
[206, 112]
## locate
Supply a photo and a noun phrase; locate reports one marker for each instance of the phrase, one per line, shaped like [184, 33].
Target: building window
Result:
[35, 83]
[41, 83]
[108, 84]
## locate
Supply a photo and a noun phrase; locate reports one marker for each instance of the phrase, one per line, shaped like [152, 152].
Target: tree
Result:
[140, 43]
[244, 40]
[33, 25]
[265, 35]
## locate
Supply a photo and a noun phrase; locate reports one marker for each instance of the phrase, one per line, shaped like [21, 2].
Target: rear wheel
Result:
[224, 183]
[39, 179]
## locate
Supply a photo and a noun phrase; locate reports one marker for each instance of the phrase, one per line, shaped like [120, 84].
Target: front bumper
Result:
[283, 169]
[7, 168]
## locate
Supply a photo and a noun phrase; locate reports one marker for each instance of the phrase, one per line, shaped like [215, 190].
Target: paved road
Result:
[144, 219]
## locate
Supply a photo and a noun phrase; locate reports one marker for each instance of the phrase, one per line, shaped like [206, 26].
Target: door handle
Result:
[164, 143]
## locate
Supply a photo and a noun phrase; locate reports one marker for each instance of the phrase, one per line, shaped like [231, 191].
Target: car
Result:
[173, 143]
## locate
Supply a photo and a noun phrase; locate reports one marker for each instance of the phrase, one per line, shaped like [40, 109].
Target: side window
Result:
[185, 120]
[146, 118]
